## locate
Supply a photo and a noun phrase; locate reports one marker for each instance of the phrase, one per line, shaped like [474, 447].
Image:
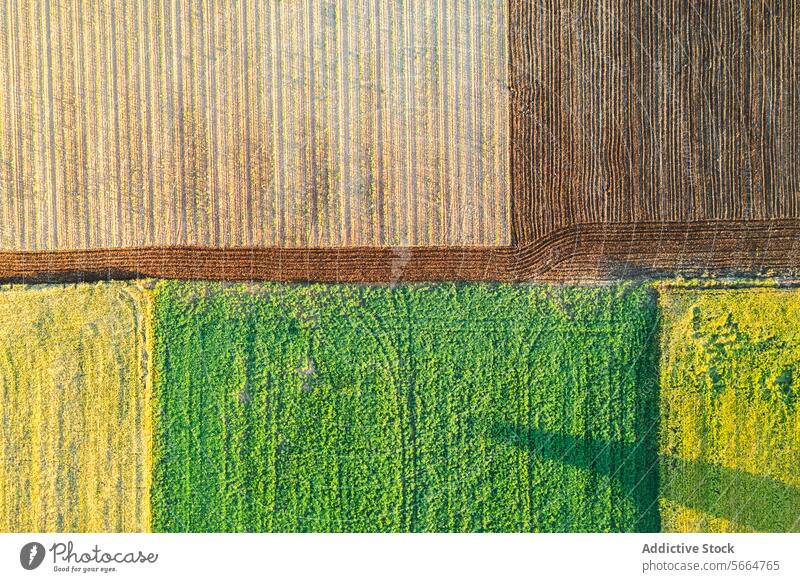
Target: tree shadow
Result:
[631, 467]
[755, 501]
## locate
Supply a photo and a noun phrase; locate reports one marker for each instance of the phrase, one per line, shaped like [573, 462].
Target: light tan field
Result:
[291, 123]
[76, 431]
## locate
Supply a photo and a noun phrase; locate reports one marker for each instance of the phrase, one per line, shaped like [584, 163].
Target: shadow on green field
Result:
[632, 468]
[755, 501]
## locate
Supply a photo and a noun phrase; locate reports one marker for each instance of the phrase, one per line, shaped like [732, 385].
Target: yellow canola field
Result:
[75, 408]
[730, 410]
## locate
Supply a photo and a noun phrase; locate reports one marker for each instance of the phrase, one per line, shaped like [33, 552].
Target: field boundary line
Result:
[573, 254]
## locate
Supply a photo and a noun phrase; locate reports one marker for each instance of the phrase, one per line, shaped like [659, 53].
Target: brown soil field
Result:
[588, 252]
[642, 140]
[324, 123]
[637, 112]
[351, 265]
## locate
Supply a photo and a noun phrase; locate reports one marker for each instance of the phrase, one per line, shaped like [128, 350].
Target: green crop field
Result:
[268, 407]
[730, 407]
[421, 408]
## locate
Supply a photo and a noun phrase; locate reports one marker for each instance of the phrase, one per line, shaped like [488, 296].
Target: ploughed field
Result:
[177, 406]
[503, 140]
[655, 138]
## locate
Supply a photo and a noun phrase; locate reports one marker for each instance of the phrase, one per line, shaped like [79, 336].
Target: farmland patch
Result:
[307, 123]
[730, 408]
[74, 399]
[414, 408]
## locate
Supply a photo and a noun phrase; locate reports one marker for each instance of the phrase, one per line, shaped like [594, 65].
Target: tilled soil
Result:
[636, 112]
[644, 141]
[582, 253]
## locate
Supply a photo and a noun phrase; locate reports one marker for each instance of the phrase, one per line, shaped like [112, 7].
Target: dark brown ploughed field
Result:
[656, 137]
[643, 139]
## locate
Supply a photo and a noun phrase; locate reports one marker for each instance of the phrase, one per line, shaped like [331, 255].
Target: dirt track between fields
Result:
[583, 253]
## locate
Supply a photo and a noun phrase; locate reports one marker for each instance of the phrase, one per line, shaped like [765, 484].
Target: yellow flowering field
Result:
[75, 408]
[730, 409]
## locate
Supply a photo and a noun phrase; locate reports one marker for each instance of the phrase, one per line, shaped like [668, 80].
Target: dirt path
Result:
[583, 253]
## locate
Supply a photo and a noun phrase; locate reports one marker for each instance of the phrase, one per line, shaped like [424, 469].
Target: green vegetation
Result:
[416, 408]
[421, 408]
[730, 406]
[75, 406]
